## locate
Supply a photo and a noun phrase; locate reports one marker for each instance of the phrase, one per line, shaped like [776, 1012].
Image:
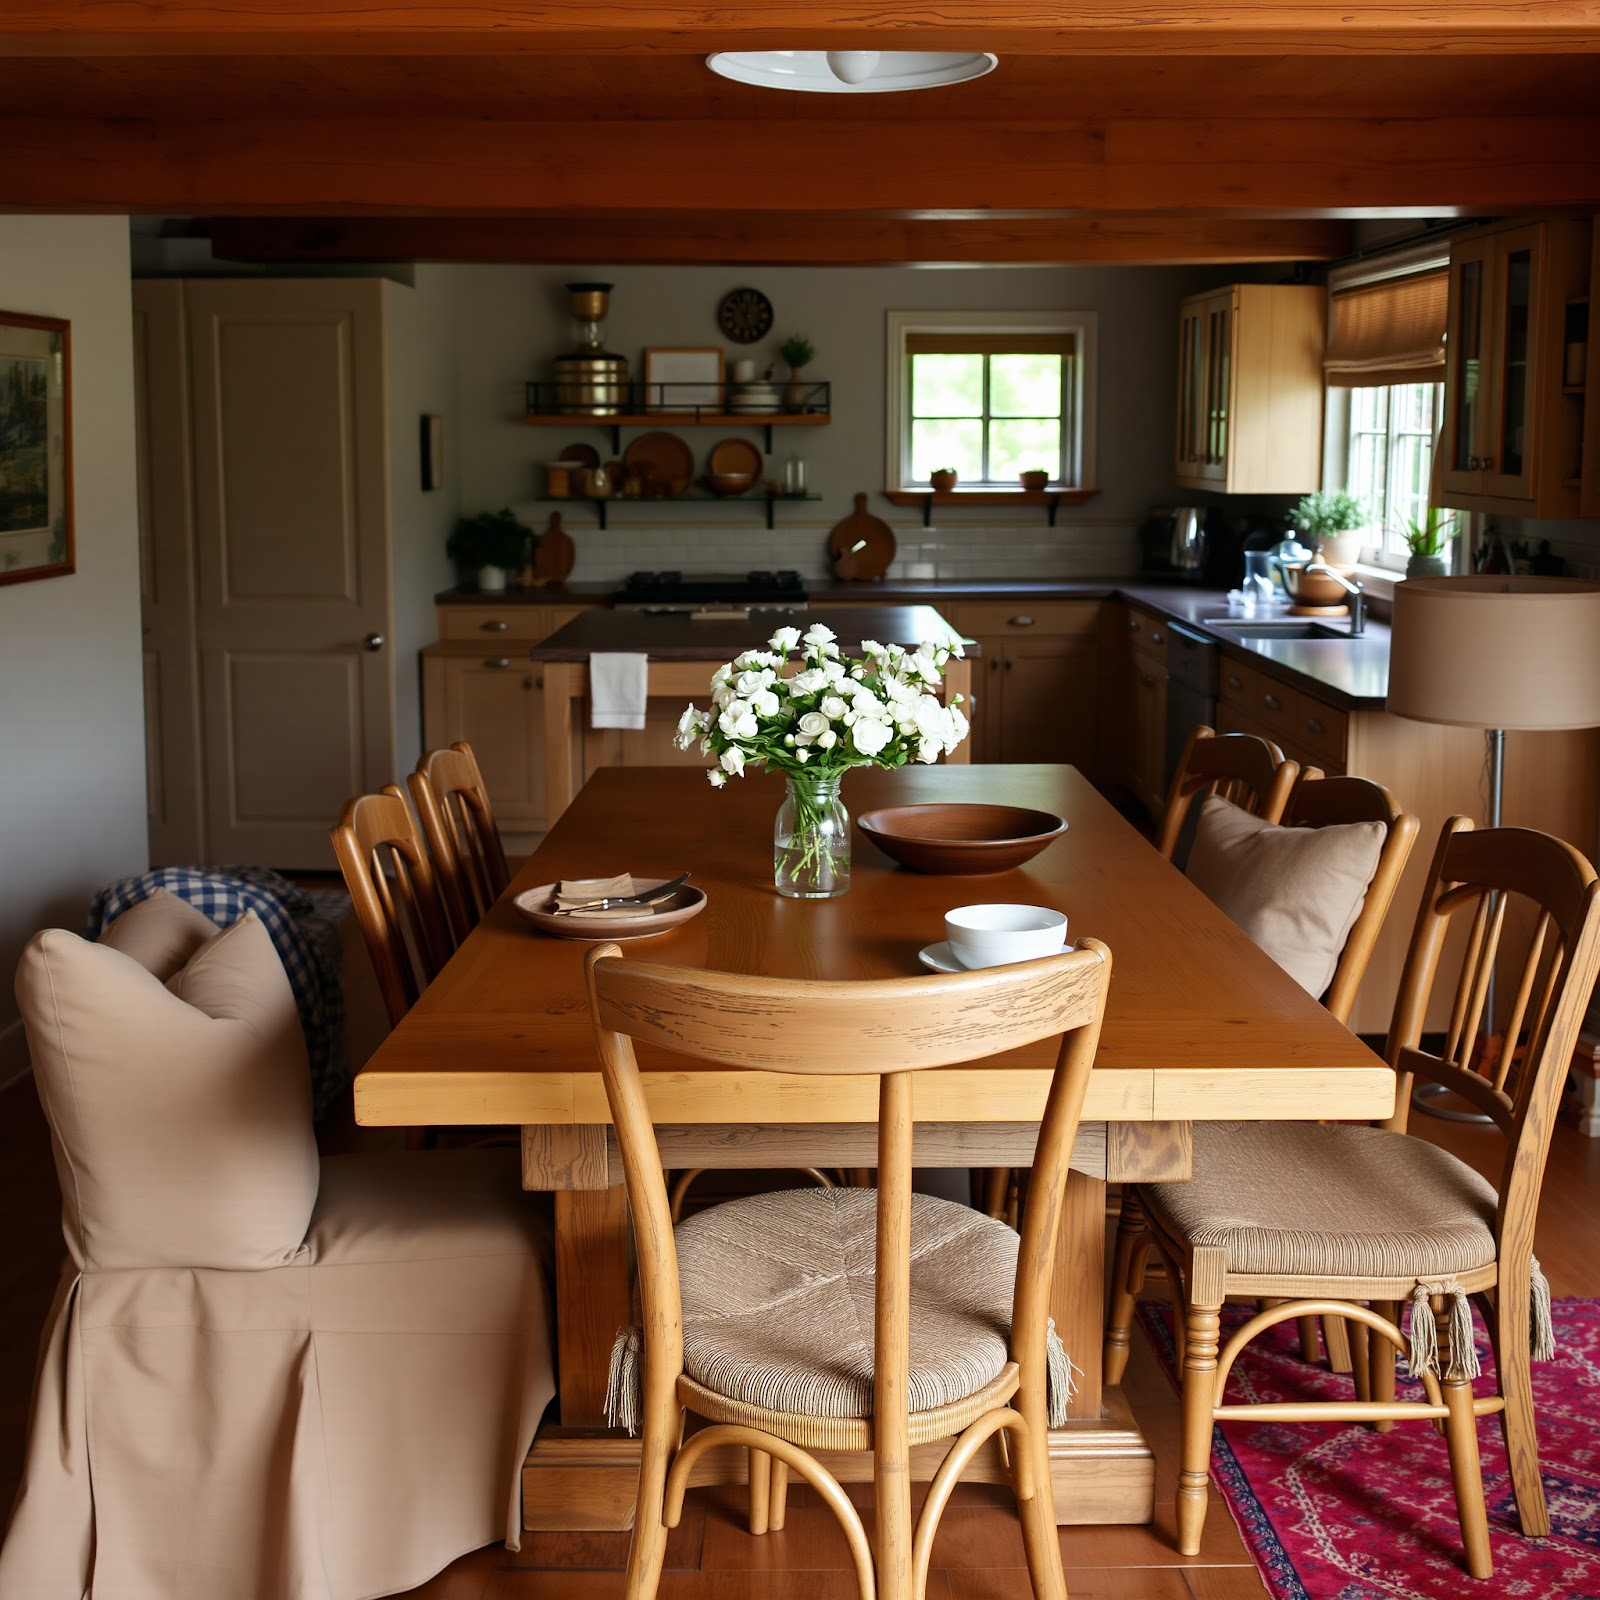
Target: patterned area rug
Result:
[1338, 1512]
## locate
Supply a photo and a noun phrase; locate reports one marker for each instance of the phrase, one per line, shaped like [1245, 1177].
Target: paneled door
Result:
[291, 513]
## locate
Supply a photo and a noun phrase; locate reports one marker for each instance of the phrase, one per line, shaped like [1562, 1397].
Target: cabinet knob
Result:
[530, 683]
[1019, 622]
[1009, 663]
[1235, 681]
[1315, 725]
[1156, 638]
[494, 625]
[1133, 624]
[1271, 702]
[1146, 680]
[498, 662]
[994, 663]
[373, 641]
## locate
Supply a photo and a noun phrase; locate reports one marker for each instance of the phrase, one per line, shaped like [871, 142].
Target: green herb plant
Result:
[1328, 513]
[1429, 536]
[798, 351]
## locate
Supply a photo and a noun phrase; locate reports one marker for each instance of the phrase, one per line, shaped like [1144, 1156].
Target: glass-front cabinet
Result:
[1512, 430]
[1204, 369]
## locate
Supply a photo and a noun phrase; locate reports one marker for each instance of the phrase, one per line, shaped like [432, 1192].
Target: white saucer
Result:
[940, 957]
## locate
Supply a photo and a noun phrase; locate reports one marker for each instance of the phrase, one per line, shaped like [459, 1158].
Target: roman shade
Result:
[1390, 332]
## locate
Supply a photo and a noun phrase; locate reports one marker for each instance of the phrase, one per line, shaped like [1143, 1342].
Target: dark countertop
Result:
[680, 637]
[552, 594]
[951, 591]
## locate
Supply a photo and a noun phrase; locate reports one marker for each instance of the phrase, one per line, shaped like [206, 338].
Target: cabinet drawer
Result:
[1302, 724]
[1022, 618]
[510, 623]
[1146, 630]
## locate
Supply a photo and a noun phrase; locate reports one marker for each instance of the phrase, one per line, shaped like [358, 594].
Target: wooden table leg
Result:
[1078, 1292]
[592, 1296]
[564, 686]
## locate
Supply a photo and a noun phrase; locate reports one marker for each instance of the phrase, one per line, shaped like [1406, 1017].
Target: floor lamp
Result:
[1498, 653]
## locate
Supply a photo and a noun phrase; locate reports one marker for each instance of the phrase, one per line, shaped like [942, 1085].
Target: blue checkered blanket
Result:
[303, 932]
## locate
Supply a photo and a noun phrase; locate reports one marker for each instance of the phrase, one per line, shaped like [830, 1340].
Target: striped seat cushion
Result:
[1326, 1200]
[778, 1300]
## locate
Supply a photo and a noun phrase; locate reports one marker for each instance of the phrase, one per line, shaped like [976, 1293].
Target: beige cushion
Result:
[1296, 891]
[1329, 1200]
[181, 1111]
[778, 1300]
[161, 933]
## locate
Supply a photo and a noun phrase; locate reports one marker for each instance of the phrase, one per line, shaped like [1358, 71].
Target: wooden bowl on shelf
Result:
[961, 840]
[728, 484]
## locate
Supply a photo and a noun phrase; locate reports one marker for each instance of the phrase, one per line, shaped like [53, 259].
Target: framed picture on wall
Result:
[683, 380]
[35, 447]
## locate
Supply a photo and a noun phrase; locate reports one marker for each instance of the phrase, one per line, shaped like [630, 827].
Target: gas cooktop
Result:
[681, 591]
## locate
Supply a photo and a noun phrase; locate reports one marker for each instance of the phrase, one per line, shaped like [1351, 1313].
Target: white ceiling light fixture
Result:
[851, 71]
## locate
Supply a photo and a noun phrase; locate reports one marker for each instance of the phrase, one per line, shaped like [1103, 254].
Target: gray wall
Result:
[72, 769]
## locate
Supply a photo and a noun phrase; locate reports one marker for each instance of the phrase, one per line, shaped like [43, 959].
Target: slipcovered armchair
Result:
[265, 1376]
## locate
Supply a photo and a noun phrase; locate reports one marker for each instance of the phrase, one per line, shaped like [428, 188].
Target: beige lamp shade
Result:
[1496, 652]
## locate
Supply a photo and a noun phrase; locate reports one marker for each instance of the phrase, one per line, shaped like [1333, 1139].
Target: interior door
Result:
[291, 505]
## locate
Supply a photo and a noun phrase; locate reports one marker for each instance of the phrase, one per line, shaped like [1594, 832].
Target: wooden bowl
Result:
[961, 840]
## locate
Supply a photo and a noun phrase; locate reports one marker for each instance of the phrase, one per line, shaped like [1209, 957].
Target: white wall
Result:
[72, 779]
[513, 320]
[422, 358]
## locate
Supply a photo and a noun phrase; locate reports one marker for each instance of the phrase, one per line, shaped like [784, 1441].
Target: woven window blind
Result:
[1390, 332]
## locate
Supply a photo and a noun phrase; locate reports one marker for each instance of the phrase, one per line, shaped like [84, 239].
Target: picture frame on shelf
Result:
[36, 531]
[678, 378]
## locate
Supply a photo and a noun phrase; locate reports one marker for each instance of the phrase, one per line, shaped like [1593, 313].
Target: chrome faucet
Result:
[1352, 587]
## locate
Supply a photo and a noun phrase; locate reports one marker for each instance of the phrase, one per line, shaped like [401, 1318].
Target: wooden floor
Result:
[711, 1557]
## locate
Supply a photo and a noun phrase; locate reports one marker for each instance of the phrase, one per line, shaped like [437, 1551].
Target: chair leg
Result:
[996, 1182]
[647, 1551]
[1517, 1424]
[1336, 1337]
[1202, 1321]
[760, 1491]
[778, 1496]
[1041, 1540]
[1310, 1340]
[1380, 1361]
[1357, 1352]
[1466, 1471]
[1127, 1279]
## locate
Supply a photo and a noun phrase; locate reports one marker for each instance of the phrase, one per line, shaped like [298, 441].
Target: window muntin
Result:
[1389, 460]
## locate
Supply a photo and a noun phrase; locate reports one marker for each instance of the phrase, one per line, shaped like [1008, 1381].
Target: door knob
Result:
[373, 641]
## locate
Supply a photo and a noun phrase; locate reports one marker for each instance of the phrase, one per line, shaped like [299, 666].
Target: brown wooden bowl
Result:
[961, 840]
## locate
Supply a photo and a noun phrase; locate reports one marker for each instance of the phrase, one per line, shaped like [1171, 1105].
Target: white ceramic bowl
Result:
[997, 935]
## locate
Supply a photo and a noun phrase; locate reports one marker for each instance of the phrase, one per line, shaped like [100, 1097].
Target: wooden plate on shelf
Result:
[862, 545]
[663, 460]
[735, 458]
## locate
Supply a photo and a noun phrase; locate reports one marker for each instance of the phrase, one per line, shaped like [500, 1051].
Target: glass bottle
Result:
[811, 839]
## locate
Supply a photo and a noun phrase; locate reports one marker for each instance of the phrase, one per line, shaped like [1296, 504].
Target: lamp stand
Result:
[1425, 1096]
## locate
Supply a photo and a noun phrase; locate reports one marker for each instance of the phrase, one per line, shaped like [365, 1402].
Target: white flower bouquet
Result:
[800, 708]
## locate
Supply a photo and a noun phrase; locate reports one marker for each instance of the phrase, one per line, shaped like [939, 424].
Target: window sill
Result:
[1051, 499]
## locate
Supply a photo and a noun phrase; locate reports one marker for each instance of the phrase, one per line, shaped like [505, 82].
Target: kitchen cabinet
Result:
[1250, 389]
[1133, 672]
[1513, 429]
[1582, 329]
[478, 685]
[1035, 686]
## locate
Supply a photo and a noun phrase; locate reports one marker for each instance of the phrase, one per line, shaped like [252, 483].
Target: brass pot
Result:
[591, 385]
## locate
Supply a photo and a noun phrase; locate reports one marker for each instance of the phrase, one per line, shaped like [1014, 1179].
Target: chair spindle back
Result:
[1249, 771]
[457, 820]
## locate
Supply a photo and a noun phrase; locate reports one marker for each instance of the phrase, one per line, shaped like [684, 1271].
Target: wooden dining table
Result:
[1200, 1025]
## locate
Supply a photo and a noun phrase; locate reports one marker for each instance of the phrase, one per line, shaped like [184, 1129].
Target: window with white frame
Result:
[1385, 372]
[991, 396]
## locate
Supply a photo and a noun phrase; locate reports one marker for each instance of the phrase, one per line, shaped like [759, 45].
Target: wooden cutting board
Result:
[554, 554]
[862, 545]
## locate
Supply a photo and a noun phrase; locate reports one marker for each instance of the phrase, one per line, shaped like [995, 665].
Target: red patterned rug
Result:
[1338, 1512]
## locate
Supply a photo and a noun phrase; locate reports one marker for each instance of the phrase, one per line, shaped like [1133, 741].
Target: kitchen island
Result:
[683, 650]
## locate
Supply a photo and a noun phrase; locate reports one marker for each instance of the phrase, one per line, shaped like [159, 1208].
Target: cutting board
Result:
[554, 554]
[861, 546]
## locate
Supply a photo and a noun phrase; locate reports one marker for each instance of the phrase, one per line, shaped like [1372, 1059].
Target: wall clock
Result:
[745, 315]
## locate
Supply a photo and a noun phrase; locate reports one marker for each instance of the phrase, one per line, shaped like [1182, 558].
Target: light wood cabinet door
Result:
[1147, 776]
[496, 704]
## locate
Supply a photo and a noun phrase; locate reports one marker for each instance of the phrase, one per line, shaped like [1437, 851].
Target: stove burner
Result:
[674, 589]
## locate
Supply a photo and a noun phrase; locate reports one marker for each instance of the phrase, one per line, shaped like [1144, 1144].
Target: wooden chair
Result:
[457, 820]
[1352, 1221]
[1250, 771]
[887, 1030]
[395, 894]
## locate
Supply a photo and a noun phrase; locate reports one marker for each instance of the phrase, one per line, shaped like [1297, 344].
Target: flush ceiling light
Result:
[851, 71]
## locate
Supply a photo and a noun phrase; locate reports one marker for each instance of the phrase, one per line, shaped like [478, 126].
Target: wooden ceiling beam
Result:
[648, 27]
[1212, 166]
[816, 240]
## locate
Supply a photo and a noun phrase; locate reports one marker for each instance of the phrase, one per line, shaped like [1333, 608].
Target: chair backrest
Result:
[395, 894]
[1240, 767]
[1319, 802]
[888, 1029]
[1553, 892]
[458, 822]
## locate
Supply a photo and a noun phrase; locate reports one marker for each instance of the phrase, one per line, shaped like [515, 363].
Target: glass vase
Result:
[811, 839]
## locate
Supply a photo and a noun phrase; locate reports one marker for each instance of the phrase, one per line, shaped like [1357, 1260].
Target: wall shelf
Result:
[1051, 499]
[655, 406]
[599, 506]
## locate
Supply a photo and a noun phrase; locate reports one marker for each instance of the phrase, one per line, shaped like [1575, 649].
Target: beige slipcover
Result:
[264, 1377]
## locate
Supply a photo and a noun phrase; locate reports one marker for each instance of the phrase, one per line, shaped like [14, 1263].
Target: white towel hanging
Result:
[618, 688]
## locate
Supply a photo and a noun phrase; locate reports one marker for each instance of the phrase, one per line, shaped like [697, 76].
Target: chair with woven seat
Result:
[457, 820]
[755, 1311]
[1330, 873]
[1353, 1221]
[1249, 771]
[395, 894]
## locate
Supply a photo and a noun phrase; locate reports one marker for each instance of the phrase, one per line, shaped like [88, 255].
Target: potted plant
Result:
[1328, 519]
[1426, 540]
[943, 479]
[490, 545]
[1036, 478]
[799, 352]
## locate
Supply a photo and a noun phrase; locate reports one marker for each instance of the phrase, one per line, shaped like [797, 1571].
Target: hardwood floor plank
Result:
[1083, 1583]
[1225, 1583]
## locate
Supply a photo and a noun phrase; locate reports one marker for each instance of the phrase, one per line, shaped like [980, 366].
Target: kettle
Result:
[1188, 551]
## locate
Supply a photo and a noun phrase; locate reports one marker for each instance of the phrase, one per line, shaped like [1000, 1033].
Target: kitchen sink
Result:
[1249, 628]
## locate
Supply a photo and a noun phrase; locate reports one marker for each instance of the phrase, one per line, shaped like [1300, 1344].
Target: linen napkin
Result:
[580, 891]
[618, 687]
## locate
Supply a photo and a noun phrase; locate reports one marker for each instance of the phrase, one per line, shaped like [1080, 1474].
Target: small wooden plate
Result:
[862, 545]
[533, 905]
[667, 462]
[734, 458]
